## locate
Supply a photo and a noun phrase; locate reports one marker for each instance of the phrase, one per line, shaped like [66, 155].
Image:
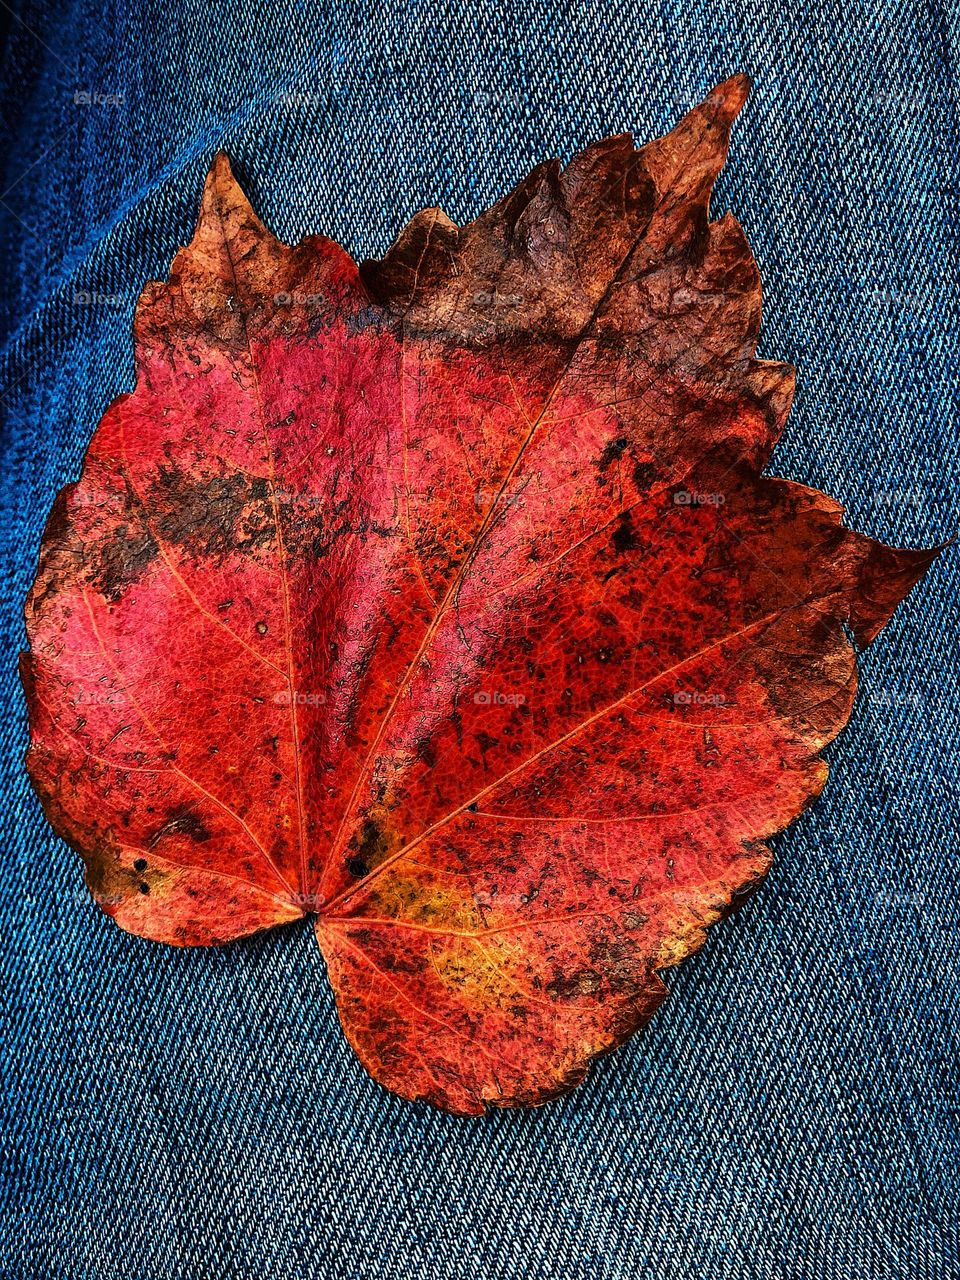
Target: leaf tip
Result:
[220, 172]
[725, 102]
[887, 575]
[224, 197]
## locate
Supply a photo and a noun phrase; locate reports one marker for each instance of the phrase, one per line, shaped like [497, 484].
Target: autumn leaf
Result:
[442, 599]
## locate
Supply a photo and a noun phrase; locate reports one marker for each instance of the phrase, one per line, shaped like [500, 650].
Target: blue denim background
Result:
[792, 1111]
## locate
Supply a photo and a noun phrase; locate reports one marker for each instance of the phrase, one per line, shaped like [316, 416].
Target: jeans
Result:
[791, 1112]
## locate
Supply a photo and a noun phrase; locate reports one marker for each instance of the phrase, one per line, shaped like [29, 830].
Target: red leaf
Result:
[443, 598]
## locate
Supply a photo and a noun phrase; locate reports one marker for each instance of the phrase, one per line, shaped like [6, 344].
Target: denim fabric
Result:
[791, 1112]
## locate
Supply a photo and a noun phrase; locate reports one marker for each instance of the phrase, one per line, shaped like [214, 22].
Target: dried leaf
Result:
[442, 598]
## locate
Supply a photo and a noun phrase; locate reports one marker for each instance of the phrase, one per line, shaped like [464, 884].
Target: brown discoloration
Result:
[216, 516]
[183, 821]
[122, 559]
[370, 846]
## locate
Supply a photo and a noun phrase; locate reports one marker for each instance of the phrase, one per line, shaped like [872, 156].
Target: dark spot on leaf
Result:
[183, 821]
[612, 450]
[624, 538]
[644, 476]
[370, 849]
[215, 516]
[122, 559]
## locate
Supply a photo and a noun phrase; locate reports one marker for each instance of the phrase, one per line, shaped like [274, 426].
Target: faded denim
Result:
[791, 1113]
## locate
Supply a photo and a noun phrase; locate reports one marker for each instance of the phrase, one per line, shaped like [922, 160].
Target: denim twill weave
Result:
[791, 1113]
